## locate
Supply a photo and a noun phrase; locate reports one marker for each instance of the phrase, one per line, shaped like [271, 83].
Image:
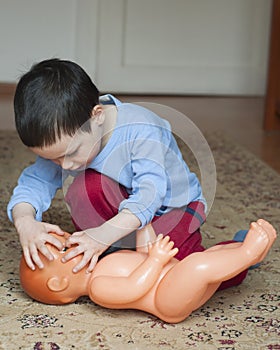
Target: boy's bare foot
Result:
[258, 241]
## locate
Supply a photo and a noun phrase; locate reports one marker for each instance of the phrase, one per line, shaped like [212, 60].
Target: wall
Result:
[227, 52]
[202, 47]
[32, 30]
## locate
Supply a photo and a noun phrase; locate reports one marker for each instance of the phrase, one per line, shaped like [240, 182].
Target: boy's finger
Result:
[35, 257]
[28, 259]
[55, 242]
[79, 266]
[77, 240]
[72, 240]
[54, 228]
[74, 252]
[92, 264]
[46, 252]
[82, 263]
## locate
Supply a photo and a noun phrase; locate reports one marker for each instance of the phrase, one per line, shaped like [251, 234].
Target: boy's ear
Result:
[98, 114]
[58, 284]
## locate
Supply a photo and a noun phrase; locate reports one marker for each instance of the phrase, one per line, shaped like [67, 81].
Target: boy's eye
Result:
[71, 154]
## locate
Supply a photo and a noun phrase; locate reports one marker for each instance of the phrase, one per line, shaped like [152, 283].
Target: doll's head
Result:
[55, 283]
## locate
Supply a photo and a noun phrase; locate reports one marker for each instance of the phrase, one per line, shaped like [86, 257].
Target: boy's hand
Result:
[94, 241]
[162, 250]
[86, 245]
[33, 237]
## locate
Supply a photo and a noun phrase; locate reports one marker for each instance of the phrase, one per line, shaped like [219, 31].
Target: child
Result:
[128, 170]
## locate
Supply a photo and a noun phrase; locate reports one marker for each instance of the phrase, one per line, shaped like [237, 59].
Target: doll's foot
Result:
[258, 240]
[241, 235]
[271, 232]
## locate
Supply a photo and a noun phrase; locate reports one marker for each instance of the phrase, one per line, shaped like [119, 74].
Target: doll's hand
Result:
[33, 237]
[86, 245]
[162, 250]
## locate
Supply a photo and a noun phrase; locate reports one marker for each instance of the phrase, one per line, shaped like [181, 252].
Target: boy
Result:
[128, 170]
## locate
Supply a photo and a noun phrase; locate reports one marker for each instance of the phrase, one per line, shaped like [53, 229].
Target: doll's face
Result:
[55, 283]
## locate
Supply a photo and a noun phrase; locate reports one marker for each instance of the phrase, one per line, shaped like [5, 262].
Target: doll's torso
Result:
[122, 264]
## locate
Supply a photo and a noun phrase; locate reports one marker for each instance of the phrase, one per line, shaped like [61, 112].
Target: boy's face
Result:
[74, 152]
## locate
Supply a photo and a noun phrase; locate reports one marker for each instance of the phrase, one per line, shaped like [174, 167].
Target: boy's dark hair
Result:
[55, 97]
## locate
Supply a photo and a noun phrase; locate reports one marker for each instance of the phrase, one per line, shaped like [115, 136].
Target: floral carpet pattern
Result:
[242, 318]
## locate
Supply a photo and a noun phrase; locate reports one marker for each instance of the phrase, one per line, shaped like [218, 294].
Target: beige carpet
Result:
[244, 317]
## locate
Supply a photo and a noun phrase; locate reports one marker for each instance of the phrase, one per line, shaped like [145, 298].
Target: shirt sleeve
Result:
[149, 181]
[37, 186]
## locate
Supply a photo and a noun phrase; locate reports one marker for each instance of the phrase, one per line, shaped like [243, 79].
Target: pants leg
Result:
[93, 199]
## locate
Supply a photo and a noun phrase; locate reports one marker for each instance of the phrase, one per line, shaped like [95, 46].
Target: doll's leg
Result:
[261, 224]
[93, 198]
[195, 279]
[183, 228]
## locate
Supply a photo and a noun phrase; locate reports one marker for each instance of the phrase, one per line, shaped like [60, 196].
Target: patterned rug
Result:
[244, 317]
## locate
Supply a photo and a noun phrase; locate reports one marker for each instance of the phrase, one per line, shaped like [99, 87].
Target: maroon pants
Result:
[94, 198]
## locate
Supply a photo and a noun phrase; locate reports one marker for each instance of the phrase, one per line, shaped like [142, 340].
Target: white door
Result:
[183, 46]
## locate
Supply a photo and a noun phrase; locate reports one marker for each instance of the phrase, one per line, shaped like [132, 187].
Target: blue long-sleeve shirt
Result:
[141, 155]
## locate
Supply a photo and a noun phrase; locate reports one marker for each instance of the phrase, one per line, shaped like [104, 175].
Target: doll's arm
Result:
[125, 289]
[143, 237]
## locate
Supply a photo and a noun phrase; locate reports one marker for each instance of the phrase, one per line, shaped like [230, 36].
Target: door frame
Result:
[272, 99]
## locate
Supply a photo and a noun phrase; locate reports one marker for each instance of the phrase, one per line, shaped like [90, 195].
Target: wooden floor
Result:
[239, 117]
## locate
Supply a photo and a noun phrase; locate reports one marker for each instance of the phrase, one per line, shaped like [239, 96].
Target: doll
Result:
[149, 279]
